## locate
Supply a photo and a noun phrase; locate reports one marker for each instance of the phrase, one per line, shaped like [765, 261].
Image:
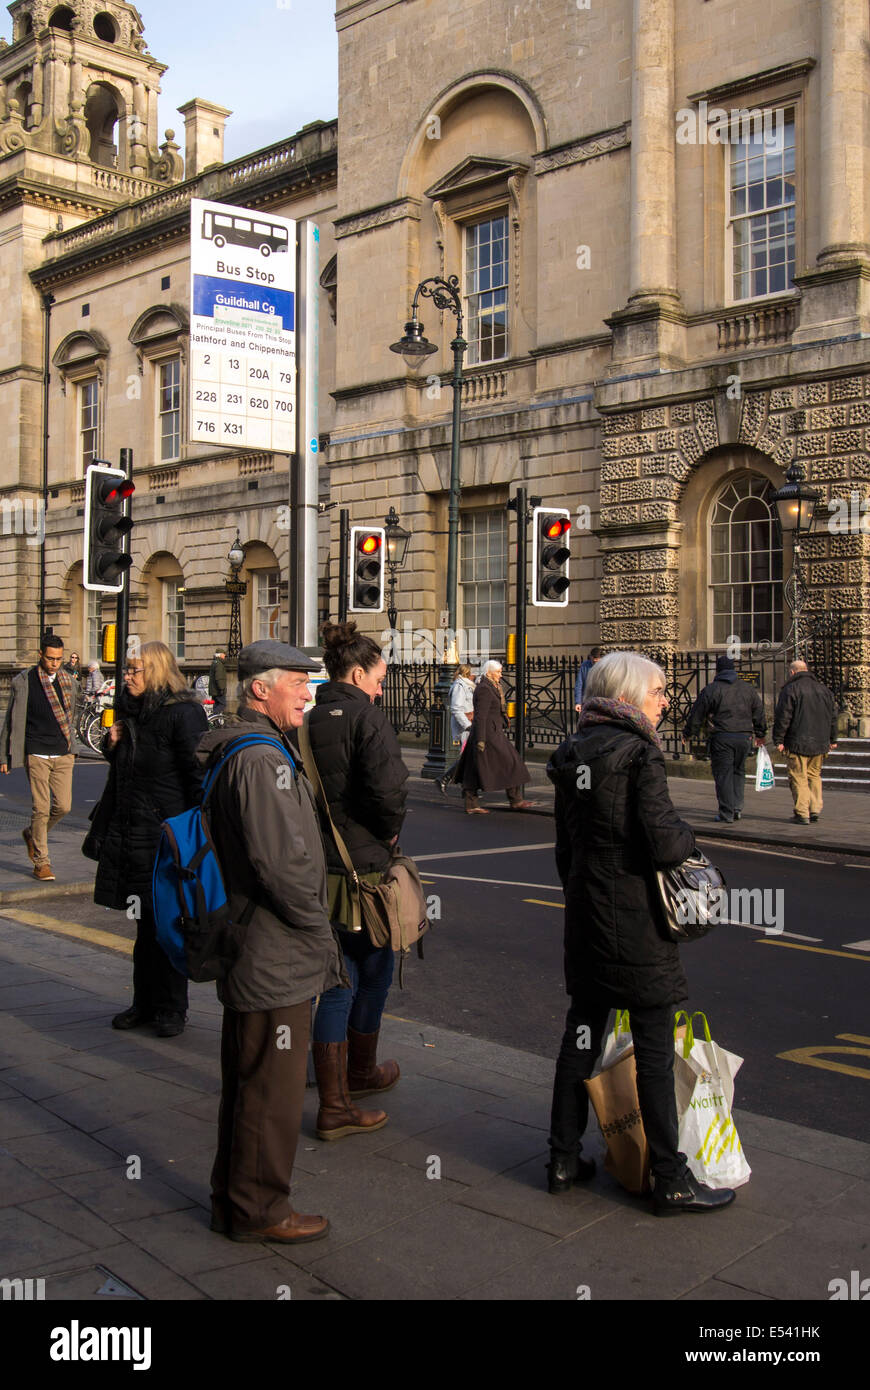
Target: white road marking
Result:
[503, 882]
[467, 853]
[856, 945]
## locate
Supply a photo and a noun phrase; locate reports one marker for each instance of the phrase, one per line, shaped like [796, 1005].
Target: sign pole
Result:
[304, 467]
[122, 608]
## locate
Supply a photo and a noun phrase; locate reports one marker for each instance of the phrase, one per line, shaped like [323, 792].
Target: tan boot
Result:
[364, 1077]
[337, 1116]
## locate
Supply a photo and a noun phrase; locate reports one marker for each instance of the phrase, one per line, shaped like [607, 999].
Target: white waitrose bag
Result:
[764, 779]
[704, 1081]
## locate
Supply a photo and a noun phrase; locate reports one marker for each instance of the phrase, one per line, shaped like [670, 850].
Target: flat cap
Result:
[258, 657]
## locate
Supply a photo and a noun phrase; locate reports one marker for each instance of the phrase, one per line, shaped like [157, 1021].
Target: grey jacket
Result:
[265, 828]
[15, 722]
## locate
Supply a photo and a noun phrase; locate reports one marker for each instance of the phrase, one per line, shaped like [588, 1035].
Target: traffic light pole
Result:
[520, 502]
[343, 568]
[122, 609]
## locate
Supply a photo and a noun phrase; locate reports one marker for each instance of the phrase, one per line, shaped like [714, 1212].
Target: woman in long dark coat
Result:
[616, 824]
[489, 761]
[154, 774]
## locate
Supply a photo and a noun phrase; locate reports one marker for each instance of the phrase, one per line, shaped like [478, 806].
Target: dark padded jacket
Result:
[612, 830]
[360, 764]
[731, 705]
[154, 774]
[806, 716]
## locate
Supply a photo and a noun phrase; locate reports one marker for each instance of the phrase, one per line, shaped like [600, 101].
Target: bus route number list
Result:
[242, 339]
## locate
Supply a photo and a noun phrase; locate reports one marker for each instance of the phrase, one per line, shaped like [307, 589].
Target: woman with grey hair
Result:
[615, 825]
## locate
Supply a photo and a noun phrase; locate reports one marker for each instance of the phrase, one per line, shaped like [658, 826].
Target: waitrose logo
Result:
[77, 1343]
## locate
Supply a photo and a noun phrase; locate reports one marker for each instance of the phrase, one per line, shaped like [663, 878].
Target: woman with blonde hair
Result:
[153, 775]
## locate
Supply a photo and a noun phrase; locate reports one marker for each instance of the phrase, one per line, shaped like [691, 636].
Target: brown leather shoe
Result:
[43, 872]
[364, 1077]
[27, 836]
[295, 1229]
[336, 1116]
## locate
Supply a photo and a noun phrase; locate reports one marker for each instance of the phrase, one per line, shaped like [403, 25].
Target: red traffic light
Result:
[369, 544]
[113, 494]
[556, 528]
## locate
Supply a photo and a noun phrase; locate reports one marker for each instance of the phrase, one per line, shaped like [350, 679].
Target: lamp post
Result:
[415, 348]
[236, 588]
[795, 504]
[398, 540]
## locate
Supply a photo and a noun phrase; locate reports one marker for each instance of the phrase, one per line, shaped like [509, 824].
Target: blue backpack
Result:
[191, 910]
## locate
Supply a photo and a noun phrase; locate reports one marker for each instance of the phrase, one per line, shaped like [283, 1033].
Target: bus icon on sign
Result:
[223, 227]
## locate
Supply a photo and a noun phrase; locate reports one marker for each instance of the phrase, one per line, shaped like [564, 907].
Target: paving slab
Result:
[60, 1153]
[629, 1253]
[788, 1187]
[801, 1261]
[183, 1242]
[23, 1117]
[72, 1217]
[99, 1104]
[266, 1279]
[521, 1196]
[25, 1239]
[136, 1268]
[117, 1198]
[472, 1147]
[41, 1079]
[832, 1151]
[719, 1290]
[437, 1253]
[19, 1184]
[362, 1195]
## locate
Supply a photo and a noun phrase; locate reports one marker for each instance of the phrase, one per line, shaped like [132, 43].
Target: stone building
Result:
[94, 265]
[658, 214]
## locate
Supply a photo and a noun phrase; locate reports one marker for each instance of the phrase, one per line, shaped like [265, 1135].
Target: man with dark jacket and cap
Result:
[735, 712]
[264, 824]
[805, 729]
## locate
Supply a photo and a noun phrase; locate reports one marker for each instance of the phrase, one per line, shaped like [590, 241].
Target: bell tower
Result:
[77, 81]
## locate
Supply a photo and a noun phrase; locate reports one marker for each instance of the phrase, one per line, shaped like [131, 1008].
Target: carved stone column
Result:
[648, 332]
[835, 297]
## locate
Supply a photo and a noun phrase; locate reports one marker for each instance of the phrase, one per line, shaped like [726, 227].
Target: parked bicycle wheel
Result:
[94, 733]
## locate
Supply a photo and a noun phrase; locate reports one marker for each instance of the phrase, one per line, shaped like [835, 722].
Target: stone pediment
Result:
[475, 174]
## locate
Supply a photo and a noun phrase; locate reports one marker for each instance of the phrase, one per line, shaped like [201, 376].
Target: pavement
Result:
[107, 1140]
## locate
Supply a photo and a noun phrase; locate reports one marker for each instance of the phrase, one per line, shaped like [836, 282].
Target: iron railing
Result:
[408, 686]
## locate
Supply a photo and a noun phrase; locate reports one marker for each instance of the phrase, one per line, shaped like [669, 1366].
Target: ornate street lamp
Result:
[236, 588]
[414, 348]
[795, 504]
[398, 540]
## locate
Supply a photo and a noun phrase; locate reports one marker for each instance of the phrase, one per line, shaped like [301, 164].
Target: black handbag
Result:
[691, 895]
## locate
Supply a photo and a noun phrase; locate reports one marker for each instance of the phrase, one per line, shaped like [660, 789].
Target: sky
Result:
[274, 63]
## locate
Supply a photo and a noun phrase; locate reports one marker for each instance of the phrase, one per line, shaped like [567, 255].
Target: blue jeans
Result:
[370, 970]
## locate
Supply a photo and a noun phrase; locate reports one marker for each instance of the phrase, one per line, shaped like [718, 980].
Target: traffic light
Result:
[551, 539]
[106, 558]
[366, 570]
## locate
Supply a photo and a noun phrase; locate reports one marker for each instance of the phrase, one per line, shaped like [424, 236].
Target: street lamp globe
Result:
[413, 348]
[795, 503]
[236, 555]
[398, 540]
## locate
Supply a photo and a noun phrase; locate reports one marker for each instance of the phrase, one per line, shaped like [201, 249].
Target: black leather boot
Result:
[564, 1170]
[687, 1194]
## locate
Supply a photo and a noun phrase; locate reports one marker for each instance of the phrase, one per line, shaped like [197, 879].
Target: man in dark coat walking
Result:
[805, 729]
[217, 682]
[264, 823]
[489, 761]
[735, 712]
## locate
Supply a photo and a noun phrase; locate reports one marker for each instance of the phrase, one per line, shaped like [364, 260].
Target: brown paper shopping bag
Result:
[613, 1093]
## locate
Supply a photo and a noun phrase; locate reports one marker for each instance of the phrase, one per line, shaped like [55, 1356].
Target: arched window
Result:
[745, 563]
[101, 118]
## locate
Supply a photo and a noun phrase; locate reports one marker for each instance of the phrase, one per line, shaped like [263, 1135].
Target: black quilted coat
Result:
[154, 774]
[611, 830]
[360, 764]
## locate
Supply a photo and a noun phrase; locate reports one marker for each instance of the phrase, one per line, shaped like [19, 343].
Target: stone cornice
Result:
[742, 86]
[587, 147]
[591, 340]
[379, 216]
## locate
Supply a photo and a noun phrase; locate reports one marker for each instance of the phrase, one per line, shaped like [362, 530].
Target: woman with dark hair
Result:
[154, 774]
[74, 667]
[615, 825]
[360, 767]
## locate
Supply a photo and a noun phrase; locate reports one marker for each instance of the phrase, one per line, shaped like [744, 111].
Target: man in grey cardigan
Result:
[264, 822]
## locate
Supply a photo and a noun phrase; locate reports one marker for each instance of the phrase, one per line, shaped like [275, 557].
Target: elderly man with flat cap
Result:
[265, 827]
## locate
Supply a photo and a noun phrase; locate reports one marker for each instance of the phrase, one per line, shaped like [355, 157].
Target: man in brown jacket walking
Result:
[264, 823]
